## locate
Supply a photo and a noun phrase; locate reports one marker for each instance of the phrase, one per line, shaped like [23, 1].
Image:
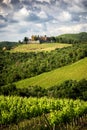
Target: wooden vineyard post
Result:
[54, 127]
[48, 124]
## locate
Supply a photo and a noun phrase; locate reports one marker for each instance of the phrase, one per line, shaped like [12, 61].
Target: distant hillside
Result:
[8, 44]
[72, 38]
[75, 71]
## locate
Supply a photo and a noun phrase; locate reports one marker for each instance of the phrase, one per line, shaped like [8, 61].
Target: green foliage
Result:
[16, 109]
[72, 38]
[75, 71]
[9, 89]
[72, 110]
[25, 40]
[31, 91]
[17, 66]
[8, 45]
[68, 89]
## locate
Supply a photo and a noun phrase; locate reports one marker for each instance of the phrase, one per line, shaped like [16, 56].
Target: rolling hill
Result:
[38, 47]
[75, 71]
[73, 38]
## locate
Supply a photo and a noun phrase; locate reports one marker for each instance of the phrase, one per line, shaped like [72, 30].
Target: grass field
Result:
[38, 47]
[75, 71]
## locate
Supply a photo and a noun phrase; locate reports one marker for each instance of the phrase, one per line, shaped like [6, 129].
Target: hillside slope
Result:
[75, 71]
[73, 38]
[38, 47]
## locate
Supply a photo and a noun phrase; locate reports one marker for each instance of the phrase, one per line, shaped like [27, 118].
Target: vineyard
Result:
[14, 109]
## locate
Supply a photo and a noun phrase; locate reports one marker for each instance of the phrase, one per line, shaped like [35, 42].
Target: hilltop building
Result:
[38, 39]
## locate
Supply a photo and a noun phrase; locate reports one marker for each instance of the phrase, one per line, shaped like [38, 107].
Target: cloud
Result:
[64, 16]
[84, 3]
[3, 21]
[6, 1]
[62, 29]
[21, 18]
[15, 2]
[2, 25]
[21, 14]
[42, 14]
[2, 18]
[1, 1]
[44, 1]
[74, 28]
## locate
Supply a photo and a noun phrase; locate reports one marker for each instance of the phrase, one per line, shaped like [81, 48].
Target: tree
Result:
[53, 39]
[25, 40]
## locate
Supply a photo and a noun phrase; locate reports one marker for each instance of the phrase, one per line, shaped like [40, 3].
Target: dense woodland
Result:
[17, 66]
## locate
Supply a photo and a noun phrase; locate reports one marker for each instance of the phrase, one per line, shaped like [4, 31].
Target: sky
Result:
[20, 18]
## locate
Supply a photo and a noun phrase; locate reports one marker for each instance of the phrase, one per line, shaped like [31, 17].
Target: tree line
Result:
[68, 89]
